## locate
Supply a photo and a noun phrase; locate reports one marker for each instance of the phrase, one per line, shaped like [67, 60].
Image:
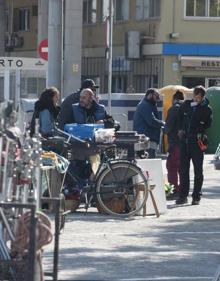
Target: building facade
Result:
[26, 24]
[21, 28]
[155, 42]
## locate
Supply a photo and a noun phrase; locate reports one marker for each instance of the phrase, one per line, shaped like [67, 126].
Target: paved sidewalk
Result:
[183, 244]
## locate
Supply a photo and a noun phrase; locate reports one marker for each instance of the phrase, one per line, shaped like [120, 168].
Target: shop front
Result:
[200, 71]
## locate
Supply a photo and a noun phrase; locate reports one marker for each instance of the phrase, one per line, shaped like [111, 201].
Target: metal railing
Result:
[128, 75]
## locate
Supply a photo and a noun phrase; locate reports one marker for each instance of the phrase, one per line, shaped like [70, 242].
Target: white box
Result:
[155, 171]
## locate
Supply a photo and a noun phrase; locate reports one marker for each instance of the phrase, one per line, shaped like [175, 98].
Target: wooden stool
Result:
[150, 190]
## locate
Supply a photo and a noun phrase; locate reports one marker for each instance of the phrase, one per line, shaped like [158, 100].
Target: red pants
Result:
[173, 166]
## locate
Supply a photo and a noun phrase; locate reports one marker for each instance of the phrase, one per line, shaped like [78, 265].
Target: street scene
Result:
[180, 245]
[109, 140]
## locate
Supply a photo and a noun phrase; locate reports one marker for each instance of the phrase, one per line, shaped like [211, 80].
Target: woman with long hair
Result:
[46, 110]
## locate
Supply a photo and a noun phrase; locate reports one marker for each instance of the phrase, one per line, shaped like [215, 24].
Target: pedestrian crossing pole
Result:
[110, 20]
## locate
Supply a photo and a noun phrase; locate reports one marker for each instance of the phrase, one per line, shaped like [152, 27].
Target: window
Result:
[214, 8]
[89, 11]
[21, 19]
[147, 9]
[191, 82]
[202, 8]
[24, 19]
[121, 9]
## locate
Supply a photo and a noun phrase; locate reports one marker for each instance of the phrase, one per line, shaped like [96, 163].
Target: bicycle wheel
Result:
[121, 189]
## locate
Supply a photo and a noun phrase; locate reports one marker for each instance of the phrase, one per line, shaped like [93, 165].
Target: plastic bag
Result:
[105, 135]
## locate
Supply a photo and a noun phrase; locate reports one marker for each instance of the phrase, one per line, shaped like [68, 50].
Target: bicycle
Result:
[116, 182]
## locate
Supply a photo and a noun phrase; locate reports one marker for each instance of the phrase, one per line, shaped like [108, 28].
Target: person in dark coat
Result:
[195, 116]
[147, 122]
[171, 129]
[66, 112]
[87, 110]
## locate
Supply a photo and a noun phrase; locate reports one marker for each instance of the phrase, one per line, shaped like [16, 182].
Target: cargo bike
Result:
[118, 187]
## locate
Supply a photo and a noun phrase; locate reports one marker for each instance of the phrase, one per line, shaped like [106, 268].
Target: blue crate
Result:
[83, 131]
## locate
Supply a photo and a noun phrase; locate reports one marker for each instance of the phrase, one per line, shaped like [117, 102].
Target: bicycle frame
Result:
[89, 190]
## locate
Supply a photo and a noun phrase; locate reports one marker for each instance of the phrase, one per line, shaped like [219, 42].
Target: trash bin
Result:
[168, 92]
[213, 94]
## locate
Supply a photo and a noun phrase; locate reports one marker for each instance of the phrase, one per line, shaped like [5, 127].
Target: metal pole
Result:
[5, 171]
[2, 27]
[55, 43]
[110, 39]
[6, 85]
[43, 6]
[56, 239]
[72, 33]
[17, 88]
[62, 48]
[32, 245]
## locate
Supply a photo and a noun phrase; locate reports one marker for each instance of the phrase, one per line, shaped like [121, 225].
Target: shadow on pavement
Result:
[186, 248]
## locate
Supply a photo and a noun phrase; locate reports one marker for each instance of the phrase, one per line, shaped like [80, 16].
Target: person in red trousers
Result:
[171, 129]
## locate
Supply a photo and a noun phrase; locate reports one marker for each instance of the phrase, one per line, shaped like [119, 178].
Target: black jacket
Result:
[171, 126]
[81, 115]
[66, 112]
[194, 119]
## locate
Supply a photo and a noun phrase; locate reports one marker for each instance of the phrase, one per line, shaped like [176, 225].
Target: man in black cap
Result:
[66, 112]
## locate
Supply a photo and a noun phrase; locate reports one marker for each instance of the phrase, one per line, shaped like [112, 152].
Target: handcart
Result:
[116, 184]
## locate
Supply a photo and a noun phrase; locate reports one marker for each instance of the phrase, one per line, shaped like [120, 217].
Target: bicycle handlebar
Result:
[72, 138]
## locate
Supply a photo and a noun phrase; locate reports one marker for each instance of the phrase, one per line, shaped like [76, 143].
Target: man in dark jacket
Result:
[147, 122]
[195, 116]
[66, 112]
[88, 110]
[171, 129]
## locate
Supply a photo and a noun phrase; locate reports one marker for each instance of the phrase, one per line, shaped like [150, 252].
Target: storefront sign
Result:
[210, 64]
[201, 62]
[17, 63]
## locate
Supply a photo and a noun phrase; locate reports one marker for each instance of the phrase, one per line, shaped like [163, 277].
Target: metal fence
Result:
[128, 76]
[25, 83]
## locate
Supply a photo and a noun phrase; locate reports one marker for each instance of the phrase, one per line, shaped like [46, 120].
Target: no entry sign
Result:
[43, 49]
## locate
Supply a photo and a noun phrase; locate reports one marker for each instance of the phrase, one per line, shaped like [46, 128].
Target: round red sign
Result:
[43, 49]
